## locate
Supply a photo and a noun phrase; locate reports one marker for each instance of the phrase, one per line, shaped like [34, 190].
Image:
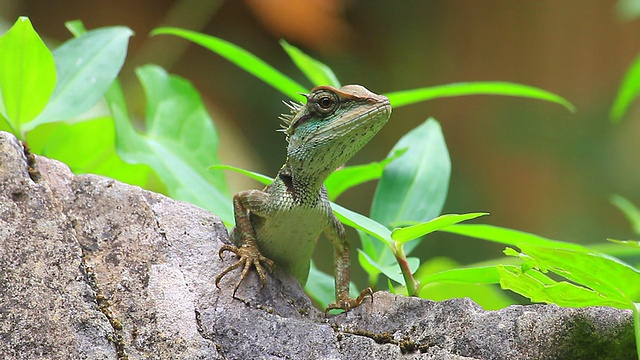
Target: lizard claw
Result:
[347, 303]
[249, 256]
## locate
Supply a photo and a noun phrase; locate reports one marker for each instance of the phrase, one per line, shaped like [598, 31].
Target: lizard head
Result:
[331, 127]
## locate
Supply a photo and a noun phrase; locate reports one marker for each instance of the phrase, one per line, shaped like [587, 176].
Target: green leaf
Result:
[609, 277]
[317, 72]
[508, 236]
[321, 287]
[391, 270]
[475, 275]
[406, 97]
[180, 141]
[343, 179]
[253, 175]
[441, 278]
[86, 67]
[75, 27]
[361, 222]
[414, 187]
[540, 288]
[628, 91]
[27, 74]
[409, 233]
[242, 58]
[630, 211]
[631, 243]
[87, 147]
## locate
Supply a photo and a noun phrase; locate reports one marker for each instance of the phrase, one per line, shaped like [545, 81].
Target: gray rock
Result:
[91, 268]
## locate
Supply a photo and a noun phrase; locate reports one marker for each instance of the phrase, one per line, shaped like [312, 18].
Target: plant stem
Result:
[410, 281]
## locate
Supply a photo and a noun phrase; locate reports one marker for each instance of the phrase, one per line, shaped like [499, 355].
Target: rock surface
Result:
[91, 268]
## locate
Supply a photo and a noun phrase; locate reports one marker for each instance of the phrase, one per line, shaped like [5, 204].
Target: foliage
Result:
[45, 95]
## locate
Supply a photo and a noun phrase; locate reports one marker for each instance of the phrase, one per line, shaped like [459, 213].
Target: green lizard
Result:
[280, 224]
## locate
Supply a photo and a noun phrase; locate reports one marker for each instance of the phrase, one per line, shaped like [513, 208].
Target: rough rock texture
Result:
[91, 268]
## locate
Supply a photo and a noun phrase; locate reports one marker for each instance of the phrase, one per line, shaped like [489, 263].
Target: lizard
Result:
[279, 225]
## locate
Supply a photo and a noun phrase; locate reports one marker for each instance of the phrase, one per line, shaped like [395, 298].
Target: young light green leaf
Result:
[414, 187]
[75, 27]
[264, 179]
[628, 91]
[27, 74]
[178, 151]
[631, 243]
[406, 97]
[242, 58]
[413, 232]
[86, 67]
[474, 275]
[317, 72]
[608, 276]
[343, 179]
[629, 210]
[540, 288]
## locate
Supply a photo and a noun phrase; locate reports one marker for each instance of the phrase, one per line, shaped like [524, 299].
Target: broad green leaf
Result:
[27, 74]
[540, 288]
[409, 233]
[609, 277]
[413, 188]
[242, 58]
[317, 72]
[343, 179]
[86, 67]
[87, 147]
[628, 91]
[630, 211]
[508, 236]
[180, 142]
[253, 175]
[406, 97]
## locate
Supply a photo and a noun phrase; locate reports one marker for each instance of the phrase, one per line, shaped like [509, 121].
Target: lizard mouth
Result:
[363, 124]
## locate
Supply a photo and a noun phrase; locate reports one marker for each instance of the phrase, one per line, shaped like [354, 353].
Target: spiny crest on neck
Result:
[286, 119]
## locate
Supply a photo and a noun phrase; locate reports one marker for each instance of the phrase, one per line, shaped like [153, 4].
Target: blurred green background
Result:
[531, 164]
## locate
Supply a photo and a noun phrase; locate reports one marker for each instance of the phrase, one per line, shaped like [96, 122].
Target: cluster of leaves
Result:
[46, 97]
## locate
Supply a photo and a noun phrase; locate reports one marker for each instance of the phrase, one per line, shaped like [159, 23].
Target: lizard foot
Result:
[249, 256]
[346, 303]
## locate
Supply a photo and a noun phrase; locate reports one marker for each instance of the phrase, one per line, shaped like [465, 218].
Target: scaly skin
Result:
[279, 225]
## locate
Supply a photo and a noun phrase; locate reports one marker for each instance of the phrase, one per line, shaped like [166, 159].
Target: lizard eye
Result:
[326, 103]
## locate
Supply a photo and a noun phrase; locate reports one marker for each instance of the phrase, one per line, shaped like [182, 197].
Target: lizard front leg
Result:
[342, 264]
[244, 203]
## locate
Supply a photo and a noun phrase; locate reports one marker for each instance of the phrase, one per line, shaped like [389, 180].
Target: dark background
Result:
[533, 165]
